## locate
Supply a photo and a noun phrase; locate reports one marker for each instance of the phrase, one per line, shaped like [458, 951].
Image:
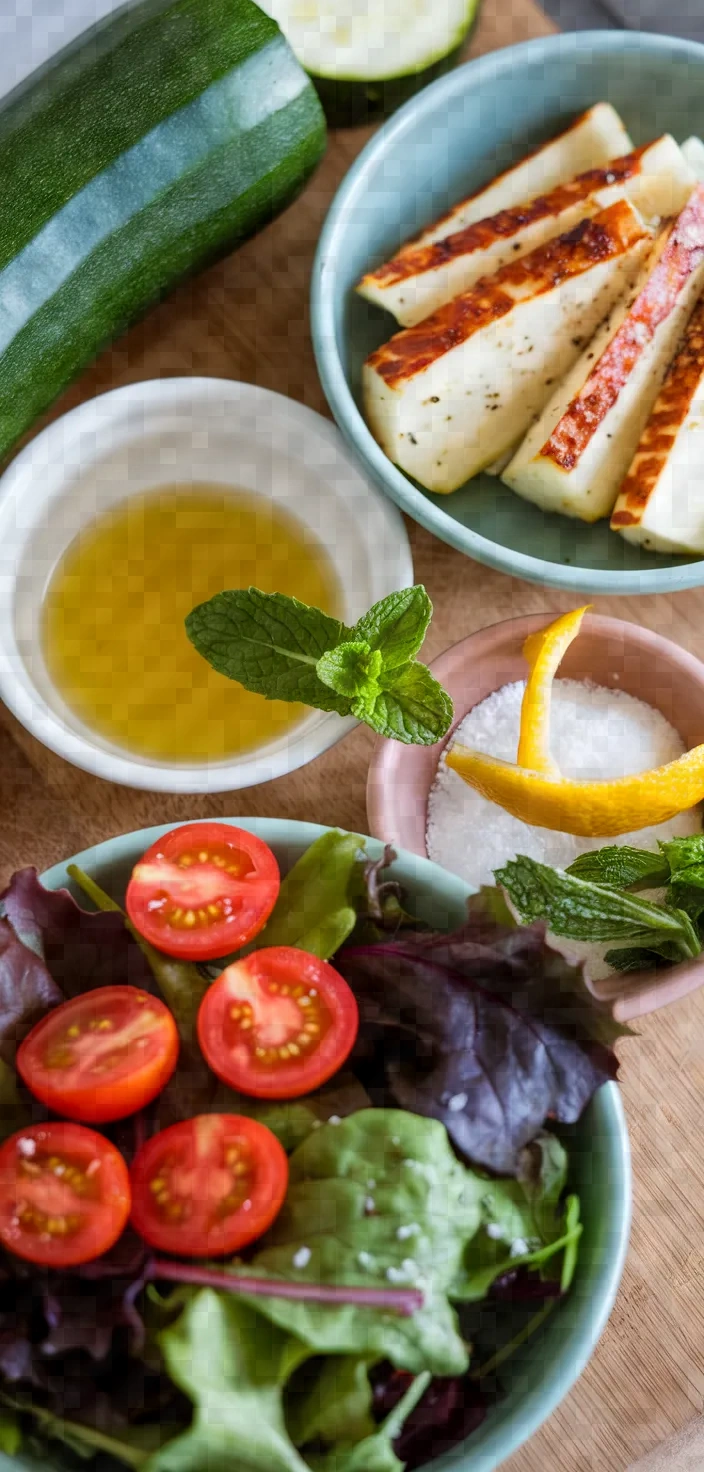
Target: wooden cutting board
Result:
[247, 318]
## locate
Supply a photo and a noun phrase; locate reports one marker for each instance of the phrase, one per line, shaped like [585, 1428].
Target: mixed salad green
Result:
[426, 1229]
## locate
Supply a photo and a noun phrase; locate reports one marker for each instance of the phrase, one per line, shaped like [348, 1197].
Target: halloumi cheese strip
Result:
[661, 501]
[574, 458]
[418, 281]
[590, 141]
[450, 396]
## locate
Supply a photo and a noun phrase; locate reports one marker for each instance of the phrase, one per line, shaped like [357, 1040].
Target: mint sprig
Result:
[283, 649]
[582, 910]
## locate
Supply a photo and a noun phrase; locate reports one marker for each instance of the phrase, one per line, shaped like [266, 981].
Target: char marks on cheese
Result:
[607, 235]
[681, 255]
[414, 261]
[580, 123]
[663, 426]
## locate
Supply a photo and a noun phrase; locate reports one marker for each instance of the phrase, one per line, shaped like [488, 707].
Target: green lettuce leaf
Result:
[233, 1366]
[378, 1199]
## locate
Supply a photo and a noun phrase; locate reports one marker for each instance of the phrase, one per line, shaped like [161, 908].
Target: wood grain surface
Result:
[247, 318]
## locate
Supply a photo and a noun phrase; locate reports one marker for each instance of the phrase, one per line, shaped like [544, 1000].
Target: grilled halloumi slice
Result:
[450, 396]
[415, 283]
[576, 455]
[693, 154]
[661, 502]
[590, 141]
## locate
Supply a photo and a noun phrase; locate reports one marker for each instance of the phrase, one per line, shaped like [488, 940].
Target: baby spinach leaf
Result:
[376, 1200]
[586, 911]
[522, 1221]
[10, 1433]
[317, 904]
[269, 643]
[334, 1405]
[234, 1366]
[397, 625]
[621, 867]
[446, 1017]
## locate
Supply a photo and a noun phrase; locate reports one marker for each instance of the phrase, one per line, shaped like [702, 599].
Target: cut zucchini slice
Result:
[368, 56]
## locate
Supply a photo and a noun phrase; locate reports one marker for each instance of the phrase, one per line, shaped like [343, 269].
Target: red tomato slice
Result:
[278, 1023]
[101, 1056]
[64, 1194]
[203, 890]
[208, 1186]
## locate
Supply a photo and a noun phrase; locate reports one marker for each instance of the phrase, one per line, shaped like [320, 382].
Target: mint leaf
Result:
[585, 911]
[411, 706]
[270, 643]
[683, 853]
[620, 867]
[397, 625]
[351, 669]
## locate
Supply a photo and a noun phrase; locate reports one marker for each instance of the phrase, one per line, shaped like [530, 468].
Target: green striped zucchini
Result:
[153, 144]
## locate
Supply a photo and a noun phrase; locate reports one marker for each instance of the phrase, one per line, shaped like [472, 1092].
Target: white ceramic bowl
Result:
[163, 432]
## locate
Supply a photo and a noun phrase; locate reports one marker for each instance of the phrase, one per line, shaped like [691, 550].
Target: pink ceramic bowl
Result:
[607, 651]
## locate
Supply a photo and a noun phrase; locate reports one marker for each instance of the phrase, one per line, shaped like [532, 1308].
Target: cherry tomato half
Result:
[64, 1194]
[208, 1186]
[203, 890]
[101, 1056]
[278, 1023]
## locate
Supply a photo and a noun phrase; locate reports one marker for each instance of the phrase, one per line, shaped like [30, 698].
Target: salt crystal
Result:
[595, 733]
[27, 1146]
[494, 1230]
[411, 1230]
[369, 1204]
[334, 1119]
[457, 1102]
[302, 1258]
[365, 1260]
[519, 1248]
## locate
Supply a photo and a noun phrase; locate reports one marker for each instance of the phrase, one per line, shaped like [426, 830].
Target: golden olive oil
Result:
[113, 631]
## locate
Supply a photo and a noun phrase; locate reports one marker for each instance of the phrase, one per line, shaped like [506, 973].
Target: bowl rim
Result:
[641, 995]
[538, 1405]
[387, 476]
[317, 731]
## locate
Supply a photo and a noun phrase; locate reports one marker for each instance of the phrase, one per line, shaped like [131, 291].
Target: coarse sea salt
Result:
[595, 734]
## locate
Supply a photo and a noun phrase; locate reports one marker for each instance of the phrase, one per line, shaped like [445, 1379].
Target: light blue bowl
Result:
[446, 142]
[599, 1150]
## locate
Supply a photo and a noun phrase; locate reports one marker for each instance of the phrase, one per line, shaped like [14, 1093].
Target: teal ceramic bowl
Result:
[445, 143]
[598, 1146]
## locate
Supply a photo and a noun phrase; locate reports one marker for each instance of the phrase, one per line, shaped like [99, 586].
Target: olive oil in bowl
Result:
[113, 634]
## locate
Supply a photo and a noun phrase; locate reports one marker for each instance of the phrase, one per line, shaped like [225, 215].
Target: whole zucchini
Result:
[151, 145]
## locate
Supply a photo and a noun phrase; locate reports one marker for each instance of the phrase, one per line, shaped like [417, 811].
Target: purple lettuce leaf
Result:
[478, 1029]
[27, 990]
[450, 1410]
[82, 949]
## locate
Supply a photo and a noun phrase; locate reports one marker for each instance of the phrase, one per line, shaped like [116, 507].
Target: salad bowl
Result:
[444, 144]
[598, 1145]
